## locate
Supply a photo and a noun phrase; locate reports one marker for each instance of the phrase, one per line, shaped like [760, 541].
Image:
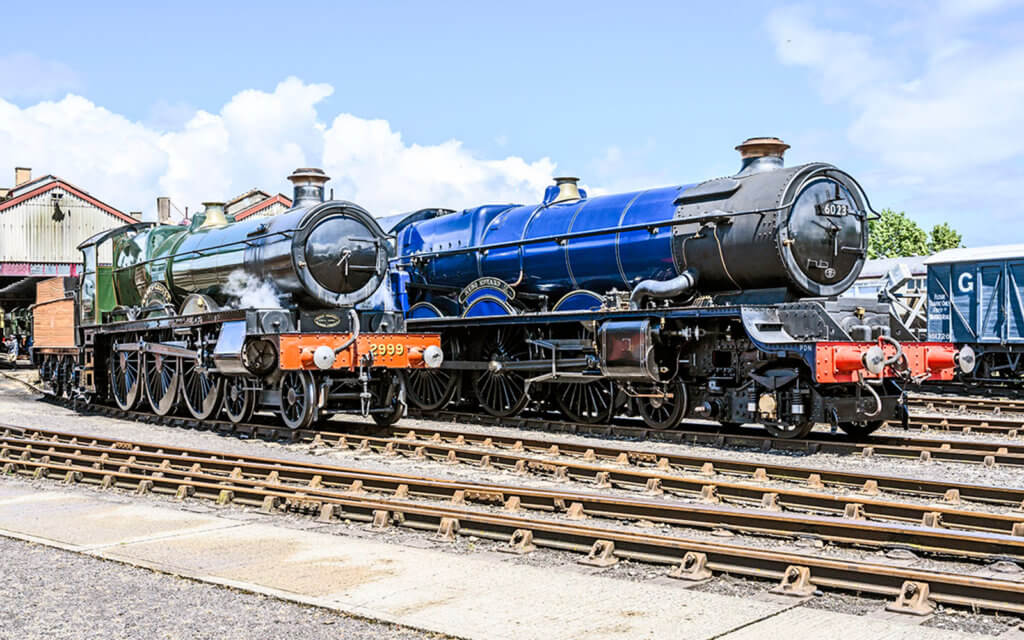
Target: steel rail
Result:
[967, 403]
[995, 425]
[853, 530]
[715, 435]
[603, 543]
[846, 479]
[707, 488]
[704, 465]
[987, 453]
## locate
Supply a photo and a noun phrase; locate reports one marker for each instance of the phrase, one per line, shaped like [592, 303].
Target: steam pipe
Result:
[677, 286]
[354, 320]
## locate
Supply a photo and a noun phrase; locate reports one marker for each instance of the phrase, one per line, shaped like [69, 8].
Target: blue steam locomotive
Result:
[710, 300]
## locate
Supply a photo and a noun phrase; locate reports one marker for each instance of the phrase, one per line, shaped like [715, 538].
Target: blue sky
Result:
[418, 104]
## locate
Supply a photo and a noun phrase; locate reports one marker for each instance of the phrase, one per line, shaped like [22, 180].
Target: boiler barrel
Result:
[801, 228]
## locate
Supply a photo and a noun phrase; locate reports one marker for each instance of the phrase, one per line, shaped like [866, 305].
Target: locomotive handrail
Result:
[203, 251]
[640, 226]
[713, 216]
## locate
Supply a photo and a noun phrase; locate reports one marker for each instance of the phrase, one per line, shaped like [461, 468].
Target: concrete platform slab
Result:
[83, 521]
[472, 596]
[813, 624]
[461, 595]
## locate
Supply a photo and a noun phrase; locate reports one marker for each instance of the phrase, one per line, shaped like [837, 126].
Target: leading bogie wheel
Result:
[789, 431]
[298, 399]
[587, 402]
[162, 380]
[239, 400]
[666, 407]
[125, 377]
[397, 406]
[861, 428]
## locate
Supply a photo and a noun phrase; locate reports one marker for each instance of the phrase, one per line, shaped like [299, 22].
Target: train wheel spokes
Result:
[162, 380]
[201, 389]
[431, 389]
[239, 401]
[502, 392]
[125, 378]
[590, 402]
[298, 399]
[861, 428]
[665, 412]
[789, 431]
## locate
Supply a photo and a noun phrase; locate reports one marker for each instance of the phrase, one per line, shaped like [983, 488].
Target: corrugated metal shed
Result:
[41, 223]
[45, 225]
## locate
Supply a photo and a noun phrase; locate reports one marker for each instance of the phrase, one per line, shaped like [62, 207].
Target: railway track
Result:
[751, 437]
[995, 406]
[499, 512]
[690, 433]
[980, 452]
[633, 467]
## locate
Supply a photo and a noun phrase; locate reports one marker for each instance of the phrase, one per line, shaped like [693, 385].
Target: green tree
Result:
[895, 235]
[944, 237]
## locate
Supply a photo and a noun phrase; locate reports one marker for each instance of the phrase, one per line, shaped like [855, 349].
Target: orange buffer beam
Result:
[389, 350]
[841, 362]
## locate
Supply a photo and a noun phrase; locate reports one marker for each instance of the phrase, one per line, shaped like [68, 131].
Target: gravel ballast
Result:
[20, 406]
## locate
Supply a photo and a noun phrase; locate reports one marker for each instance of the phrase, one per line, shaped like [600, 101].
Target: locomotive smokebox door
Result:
[627, 350]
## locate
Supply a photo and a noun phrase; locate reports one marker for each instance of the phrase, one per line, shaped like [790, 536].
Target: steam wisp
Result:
[244, 291]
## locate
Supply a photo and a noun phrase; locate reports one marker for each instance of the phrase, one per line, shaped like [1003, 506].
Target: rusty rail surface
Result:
[290, 485]
[996, 406]
[715, 435]
[69, 449]
[968, 451]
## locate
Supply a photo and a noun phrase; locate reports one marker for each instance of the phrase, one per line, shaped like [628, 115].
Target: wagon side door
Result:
[991, 319]
[1015, 302]
[939, 312]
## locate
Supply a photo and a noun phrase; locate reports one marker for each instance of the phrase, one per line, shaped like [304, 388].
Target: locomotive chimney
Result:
[308, 186]
[567, 189]
[214, 212]
[761, 154]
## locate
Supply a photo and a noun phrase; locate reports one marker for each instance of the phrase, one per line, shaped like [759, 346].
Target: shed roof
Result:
[977, 254]
[250, 192]
[48, 183]
[263, 204]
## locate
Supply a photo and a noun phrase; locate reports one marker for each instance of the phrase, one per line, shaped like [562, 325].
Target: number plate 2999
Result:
[388, 349]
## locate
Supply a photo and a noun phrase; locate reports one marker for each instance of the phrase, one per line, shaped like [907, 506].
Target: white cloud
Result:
[374, 167]
[26, 75]
[940, 107]
[103, 152]
[255, 140]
